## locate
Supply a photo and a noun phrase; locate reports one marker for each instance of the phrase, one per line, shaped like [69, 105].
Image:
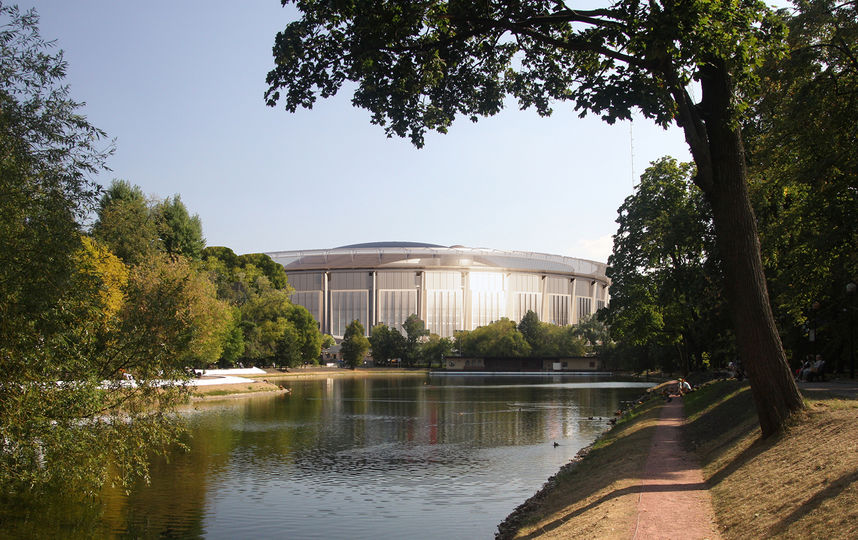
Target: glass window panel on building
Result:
[525, 283]
[487, 298]
[347, 306]
[444, 312]
[311, 281]
[558, 309]
[584, 308]
[487, 307]
[394, 306]
[486, 281]
[556, 285]
[525, 302]
[312, 300]
[443, 280]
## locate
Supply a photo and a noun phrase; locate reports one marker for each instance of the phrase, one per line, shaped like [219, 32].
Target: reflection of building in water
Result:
[450, 288]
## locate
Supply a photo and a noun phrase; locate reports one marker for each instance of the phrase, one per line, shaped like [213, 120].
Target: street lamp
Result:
[850, 291]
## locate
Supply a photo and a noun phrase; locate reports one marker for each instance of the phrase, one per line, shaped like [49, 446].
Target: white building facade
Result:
[450, 288]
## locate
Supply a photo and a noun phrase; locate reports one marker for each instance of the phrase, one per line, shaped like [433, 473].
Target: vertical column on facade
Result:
[594, 287]
[573, 284]
[421, 296]
[543, 290]
[508, 307]
[467, 310]
[570, 312]
[326, 304]
[373, 303]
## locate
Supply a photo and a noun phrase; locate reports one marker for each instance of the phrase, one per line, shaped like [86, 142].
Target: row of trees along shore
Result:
[417, 66]
[415, 346]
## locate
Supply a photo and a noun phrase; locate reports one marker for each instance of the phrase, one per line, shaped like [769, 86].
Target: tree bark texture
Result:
[774, 390]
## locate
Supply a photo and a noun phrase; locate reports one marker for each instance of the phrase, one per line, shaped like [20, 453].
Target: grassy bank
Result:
[222, 391]
[801, 484]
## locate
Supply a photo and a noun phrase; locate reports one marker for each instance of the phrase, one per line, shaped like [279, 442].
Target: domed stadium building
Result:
[450, 288]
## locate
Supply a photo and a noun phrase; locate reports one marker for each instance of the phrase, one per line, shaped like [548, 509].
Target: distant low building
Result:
[576, 364]
[449, 288]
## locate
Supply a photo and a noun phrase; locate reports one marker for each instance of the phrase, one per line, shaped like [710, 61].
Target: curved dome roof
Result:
[388, 244]
[412, 255]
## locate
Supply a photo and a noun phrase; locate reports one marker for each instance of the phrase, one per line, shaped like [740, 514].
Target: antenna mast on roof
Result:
[632, 147]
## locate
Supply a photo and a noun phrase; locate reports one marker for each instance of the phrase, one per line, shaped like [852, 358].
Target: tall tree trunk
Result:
[725, 184]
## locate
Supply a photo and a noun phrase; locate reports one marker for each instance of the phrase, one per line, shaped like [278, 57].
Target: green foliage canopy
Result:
[387, 344]
[48, 151]
[666, 284]
[134, 227]
[179, 231]
[309, 338]
[549, 340]
[125, 223]
[415, 331]
[436, 349]
[804, 172]
[274, 330]
[498, 339]
[354, 345]
[418, 65]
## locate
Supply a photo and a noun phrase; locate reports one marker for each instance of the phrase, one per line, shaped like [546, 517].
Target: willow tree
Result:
[417, 65]
[73, 320]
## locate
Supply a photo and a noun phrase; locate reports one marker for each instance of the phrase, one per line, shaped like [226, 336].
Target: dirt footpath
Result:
[674, 501]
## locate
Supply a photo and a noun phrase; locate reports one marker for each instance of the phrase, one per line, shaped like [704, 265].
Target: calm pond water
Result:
[372, 457]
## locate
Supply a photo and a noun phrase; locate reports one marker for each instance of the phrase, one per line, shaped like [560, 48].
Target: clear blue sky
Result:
[179, 85]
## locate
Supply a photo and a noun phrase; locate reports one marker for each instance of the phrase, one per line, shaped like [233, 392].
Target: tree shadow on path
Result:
[631, 490]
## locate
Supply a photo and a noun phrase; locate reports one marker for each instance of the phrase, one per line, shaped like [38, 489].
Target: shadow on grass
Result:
[724, 424]
[823, 395]
[834, 489]
[729, 416]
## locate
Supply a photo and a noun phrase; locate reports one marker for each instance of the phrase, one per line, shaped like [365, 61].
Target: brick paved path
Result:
[674, 502]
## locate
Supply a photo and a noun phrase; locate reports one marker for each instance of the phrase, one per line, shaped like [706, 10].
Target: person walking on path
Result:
[674, 501]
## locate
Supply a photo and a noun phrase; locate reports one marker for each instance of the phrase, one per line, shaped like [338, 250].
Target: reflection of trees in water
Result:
[173, 504]
[49, 515]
